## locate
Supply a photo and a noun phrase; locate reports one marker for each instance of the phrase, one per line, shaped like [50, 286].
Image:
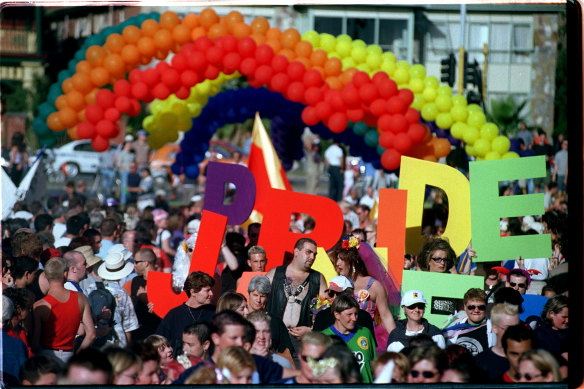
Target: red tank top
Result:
[61, 328]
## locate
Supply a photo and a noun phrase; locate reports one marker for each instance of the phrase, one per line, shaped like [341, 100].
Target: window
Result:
[393, 36]
[333, 26]
[363, 29]
[522, 43]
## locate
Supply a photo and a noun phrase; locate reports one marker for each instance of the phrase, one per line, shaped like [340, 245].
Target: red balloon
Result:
[180, 62]
[313, 95]
[135, 76]
[171, 78]
[370, 119]
[197, 62]
[416, 132]
[231, 62]
[324, 110]
[246, 47]
[402, 142]
[105, 98]
[254, 83]
[99, 143]
[384, 123]
[183, 92]
[111, 114]
[140, 91]
[412, 115]
[161, 67]
[390, 159]
[309, 116]
[379, 77]
[202, 44]
[280, 64]
[386, 88]
[351, 97]
[296, 71]
[386, 139]
[189, 78]
[361, 78]
[280, 82]
[122, 104]
[248, 67]
[263, 74]
[214, 55]
[355, 115]
[398, 124]
[135, 108]
[264, 54]
[122, 88]
[368, 93]
[151, 77]
[105, 128]
[86, 130]
[212, 72]
[335, 99]
[295, 91]
[228, 43]
[93, 113]
[377, 107]
[161, 91]
[312, 77]
[337, 122]
[395, 105]
[407, 96]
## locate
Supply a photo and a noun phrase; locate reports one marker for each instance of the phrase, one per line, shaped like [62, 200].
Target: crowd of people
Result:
[76, 306]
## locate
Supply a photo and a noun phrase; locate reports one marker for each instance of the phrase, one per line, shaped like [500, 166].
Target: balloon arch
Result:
[339, 87]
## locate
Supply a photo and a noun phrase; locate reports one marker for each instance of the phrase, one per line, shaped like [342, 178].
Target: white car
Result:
[78, 157]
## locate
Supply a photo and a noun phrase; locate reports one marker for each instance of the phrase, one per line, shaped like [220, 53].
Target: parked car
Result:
[76, 157]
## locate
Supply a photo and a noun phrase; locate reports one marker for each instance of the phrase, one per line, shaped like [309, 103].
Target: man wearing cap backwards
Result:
[325, 318]
[360, 340]
[414, 304]
[114, 268]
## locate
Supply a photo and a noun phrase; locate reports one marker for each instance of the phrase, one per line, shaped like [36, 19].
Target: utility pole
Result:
[461, 58]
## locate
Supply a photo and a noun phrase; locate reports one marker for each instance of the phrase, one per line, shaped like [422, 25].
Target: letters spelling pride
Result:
[397, 217]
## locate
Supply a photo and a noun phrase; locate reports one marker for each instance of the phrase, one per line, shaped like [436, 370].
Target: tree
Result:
[506, 114]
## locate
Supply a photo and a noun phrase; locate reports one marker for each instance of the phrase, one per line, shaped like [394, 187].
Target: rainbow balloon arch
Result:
[339, 87]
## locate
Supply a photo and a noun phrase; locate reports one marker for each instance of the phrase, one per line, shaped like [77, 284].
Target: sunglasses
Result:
[527, 376]
[425, 373]
[439, 260]
[331, 293]
[418, 305]
[305, 358]
[479, 307]
[521, 285]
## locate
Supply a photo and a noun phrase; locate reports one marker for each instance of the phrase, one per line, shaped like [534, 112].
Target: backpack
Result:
[100, 298]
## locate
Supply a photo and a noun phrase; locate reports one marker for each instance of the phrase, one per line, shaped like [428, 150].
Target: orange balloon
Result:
[67, 85]
[130, 54]
[319, 68]
[168, 20]
[305, 61]
[61, 102]
[441, 147]
[208, 17]
[83, 67]
[146, 46]
[198, 32]
[191, 21]
[258, 38]
[347, 75]
[90, 97]
[82, 82]
[334, 83]
[75, 100]
[68, 117]
[99, 76]
[318, 57]
[145, 59]
[303, 49]
[260, 25]
[274, 44]
[149, 27]
[114, 64]
[81, 116]
[430, 158]
[131, 34]
[290, 38]
[181, 34]
[163, 40]
[233, 18]
[114, 43]
[72, 132]
[240, 30]
[333, 67]
[54, 122]
[95, 55]
[274, 33]
[161, 54]
[287, 53]
[217, 30]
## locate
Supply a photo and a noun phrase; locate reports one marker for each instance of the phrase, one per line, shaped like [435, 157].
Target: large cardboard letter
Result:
[219, 174]
[391, 228]
[275, 235]
[415, 174]
[204, 258]
[487, 209]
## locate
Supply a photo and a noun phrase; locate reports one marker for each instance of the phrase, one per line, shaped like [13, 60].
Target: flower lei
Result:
[319, 303]
[350, 243]
[319, 367]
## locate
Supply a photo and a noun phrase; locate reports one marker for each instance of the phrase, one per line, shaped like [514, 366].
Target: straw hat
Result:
[87, 252]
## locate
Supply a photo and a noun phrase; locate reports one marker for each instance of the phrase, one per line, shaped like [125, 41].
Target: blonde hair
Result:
[230, 301]
[156, 341]
[121, 359]
[55, 269]
[202, 376]
[235, 359]
[501, 309]
[400, 360]
[543, 361]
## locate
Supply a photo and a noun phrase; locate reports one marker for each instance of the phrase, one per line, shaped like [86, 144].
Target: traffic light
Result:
[448, 70]
[473, 74]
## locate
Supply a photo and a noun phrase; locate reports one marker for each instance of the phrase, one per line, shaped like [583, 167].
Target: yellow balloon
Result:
[374, 61]
[444, 120]
[476, 119]
[344, 48]
[471, 134]
[404, 65]
[482, 147]
[509, 155]
[429, 112]
[389, 56]
[401, 75]
[443, 102]
[388, 67]
[416, 85]
[348, 62]
[470, 150]
[363, 67]
[418, 71]
[429, 93]
[432, 82]
[492, 155]
[360, 43]
[418, 102]
[458, 113]
[445, 90]
[328, 42]
[344, 38]
[459, 100]
[313, 37]
[457, 130]
[489, 131]
[194, 109]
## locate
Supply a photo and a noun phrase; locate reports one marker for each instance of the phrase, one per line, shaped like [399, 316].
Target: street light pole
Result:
[461, 61]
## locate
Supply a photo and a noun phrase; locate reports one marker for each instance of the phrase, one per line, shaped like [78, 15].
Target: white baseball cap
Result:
[412, 297]
[340, 283]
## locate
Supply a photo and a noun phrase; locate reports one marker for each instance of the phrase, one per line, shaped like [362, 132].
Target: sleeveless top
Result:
[277, 300]
[364, 299]
[60, 329]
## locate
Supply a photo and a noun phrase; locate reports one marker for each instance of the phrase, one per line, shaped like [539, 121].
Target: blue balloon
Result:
[192, 171]
[63, 75]
[40, 127]
[176, 169]
[45, 109]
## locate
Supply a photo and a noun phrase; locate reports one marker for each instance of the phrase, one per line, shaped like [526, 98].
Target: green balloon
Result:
[371, 138]
[458, 113]
[501, 144]
[444, 120]
[482, 147]
[471, 134]
[429, 112]
[360, 128]
[489, 131]
[443, 102]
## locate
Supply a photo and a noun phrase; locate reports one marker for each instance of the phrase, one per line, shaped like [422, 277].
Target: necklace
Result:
[191, 312]
[292, 296]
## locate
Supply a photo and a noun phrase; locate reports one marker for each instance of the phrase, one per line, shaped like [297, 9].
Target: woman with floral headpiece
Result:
[369, 292]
